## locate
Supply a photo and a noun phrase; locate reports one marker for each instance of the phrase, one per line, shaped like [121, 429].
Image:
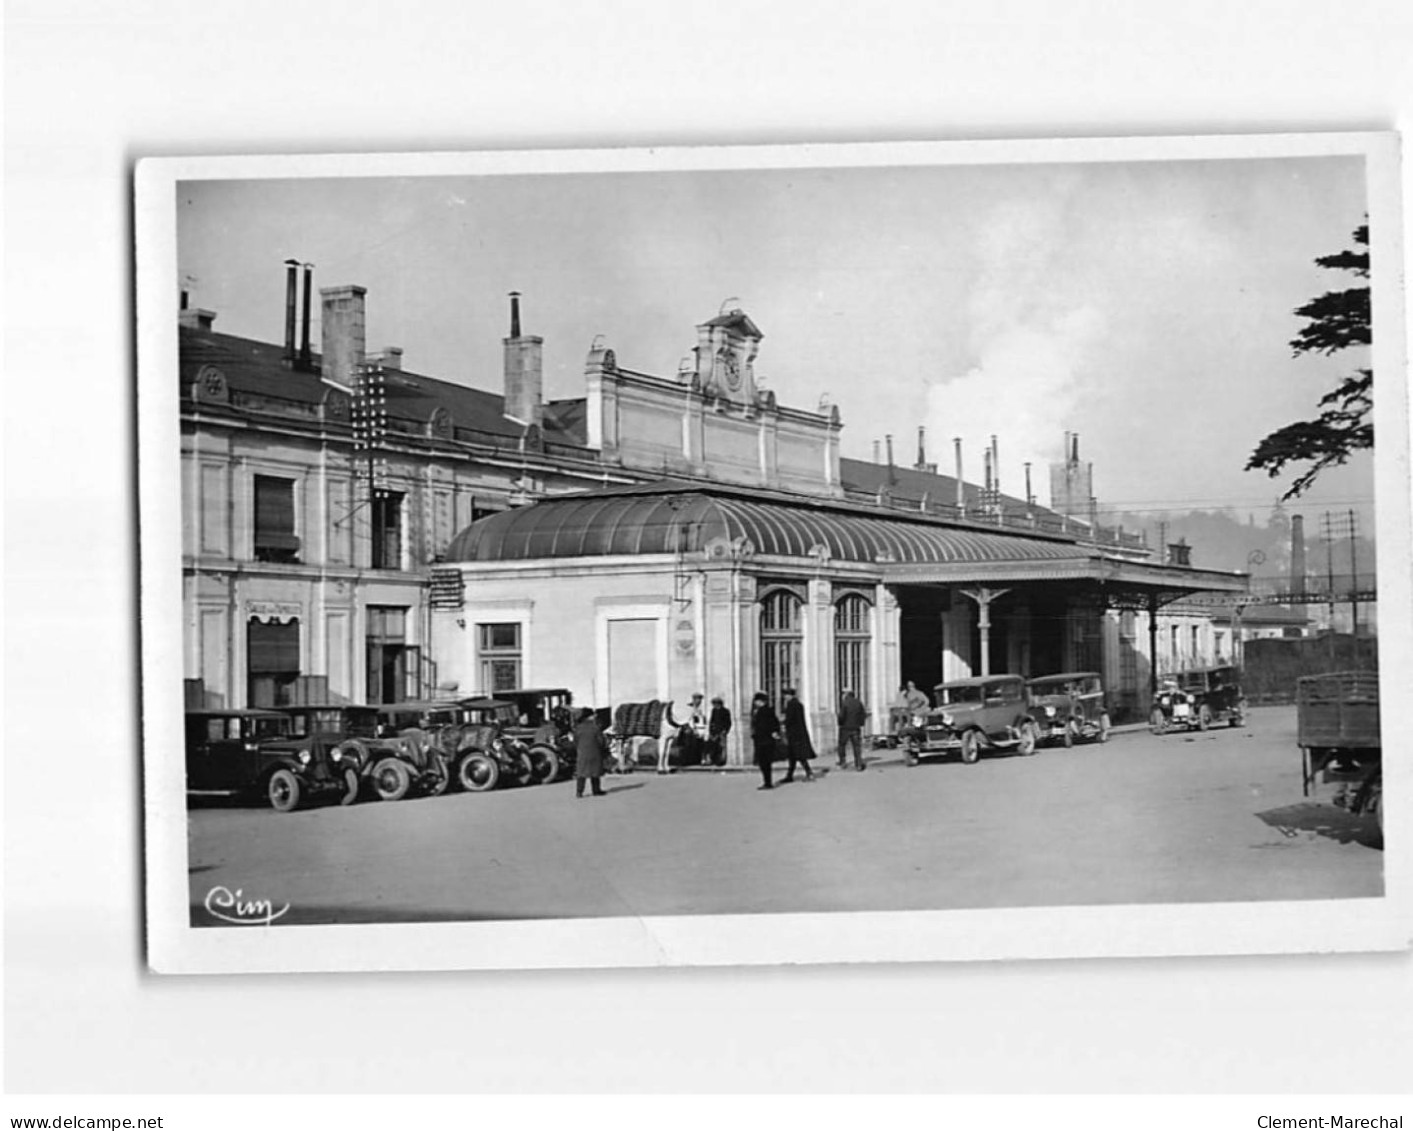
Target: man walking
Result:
[852, 716]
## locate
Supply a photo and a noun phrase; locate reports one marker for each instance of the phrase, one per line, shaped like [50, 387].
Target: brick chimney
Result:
[344, 333]
[524, 371]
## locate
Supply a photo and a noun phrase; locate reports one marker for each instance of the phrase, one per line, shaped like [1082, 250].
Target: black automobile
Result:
[254, 754]
[1198, 699]
[1069, 706]
[487, 752]
[388, 767]
[433, 727]
[545, 725]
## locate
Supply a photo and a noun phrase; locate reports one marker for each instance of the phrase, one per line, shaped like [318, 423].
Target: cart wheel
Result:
[284, 791]
[1204, 717]
[1156, 721]
[1103, 735]
[971, 747]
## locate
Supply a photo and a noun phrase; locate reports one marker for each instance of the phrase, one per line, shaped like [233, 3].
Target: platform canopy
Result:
[904, 548]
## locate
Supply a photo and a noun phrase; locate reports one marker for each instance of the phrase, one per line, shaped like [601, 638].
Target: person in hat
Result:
[799, 748]
[765, 732]
[590, 749]
[718, 727]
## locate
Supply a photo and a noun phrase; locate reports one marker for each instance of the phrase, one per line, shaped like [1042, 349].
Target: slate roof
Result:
[258, 368]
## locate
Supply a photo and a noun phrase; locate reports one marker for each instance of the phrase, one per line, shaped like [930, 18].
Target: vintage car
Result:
[969, 715]
[1069, 706]
[1198, 698]
[389, 767]
[254, 754]
[545, 725]
[434, 727]
[487, 754]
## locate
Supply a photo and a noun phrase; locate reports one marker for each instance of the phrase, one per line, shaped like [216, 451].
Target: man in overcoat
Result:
[590, 749]
[799, 748]
[765, 730]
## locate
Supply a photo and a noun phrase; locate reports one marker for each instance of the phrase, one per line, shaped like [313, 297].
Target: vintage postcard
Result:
[779, 554]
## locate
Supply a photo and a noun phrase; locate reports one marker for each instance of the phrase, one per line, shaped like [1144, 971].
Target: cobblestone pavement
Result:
[1202, 817]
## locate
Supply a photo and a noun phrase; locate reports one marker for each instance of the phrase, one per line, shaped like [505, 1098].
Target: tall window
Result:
[780, 643]
[393, 664]
[387, 529]
[272, 663]
[499, 646]
[275, 540]
[1128, 651]
[1196, 645]
[852, 636]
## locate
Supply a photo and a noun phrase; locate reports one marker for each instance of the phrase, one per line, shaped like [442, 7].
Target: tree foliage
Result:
[1337, 320]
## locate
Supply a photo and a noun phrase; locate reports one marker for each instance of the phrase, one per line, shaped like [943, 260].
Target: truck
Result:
[1337, 729]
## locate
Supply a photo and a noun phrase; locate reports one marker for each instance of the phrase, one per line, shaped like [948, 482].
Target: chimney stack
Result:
[524, 371]
[345, 342]
[306, 358]
[1297, 554]
[995, 466]
[921, 448]
[291, 302]
[961, 486]
[1029, 494]
[877, 457]
[888, 440]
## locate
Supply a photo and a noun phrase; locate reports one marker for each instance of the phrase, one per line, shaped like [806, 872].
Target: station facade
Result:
[357, 531]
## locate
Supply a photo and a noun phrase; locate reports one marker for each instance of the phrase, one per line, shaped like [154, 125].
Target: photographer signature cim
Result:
[232, 907]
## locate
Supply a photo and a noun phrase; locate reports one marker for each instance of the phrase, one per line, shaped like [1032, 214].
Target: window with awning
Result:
[275, 539]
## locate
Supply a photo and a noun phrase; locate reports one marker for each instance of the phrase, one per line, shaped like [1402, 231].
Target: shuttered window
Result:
[275, 540]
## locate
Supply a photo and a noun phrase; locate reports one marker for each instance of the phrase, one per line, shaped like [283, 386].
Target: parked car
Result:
[970, 715]
[545, 725]
[1069, 706]
[433, 727]
[487, 754]
[389, 767]
[253, 753]
[1198, 698]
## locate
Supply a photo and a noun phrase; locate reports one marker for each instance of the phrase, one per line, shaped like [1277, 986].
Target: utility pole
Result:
[1329, 573]
[1354, 582]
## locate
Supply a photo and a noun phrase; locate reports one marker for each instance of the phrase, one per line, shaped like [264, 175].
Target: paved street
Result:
[1202, 817]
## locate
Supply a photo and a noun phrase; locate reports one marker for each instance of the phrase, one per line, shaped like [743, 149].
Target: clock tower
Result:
[726, 352]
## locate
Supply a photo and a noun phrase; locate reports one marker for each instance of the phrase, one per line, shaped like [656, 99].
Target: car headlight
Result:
[1050, 711]
[946, 720]
[336, 756]
[305, 757]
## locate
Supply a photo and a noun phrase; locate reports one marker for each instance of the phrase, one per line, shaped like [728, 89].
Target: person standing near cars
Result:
[765, 731]
[590, 748]
[799, 748]
[852, 717]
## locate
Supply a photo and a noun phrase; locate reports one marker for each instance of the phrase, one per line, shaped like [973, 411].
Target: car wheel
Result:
[477, 772]
[1029, 739]
[1157, 723]
[440, 776]
[1204, 717]
[351, 786]
[546, 764]
[971, 747]
[284, 790]
[391, 780]
[1103, 728]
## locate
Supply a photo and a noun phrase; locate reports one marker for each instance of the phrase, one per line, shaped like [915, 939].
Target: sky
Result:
[1147, 306]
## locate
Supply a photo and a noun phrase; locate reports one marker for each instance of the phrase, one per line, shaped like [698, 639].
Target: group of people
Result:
[702, 734]
[772, 737]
